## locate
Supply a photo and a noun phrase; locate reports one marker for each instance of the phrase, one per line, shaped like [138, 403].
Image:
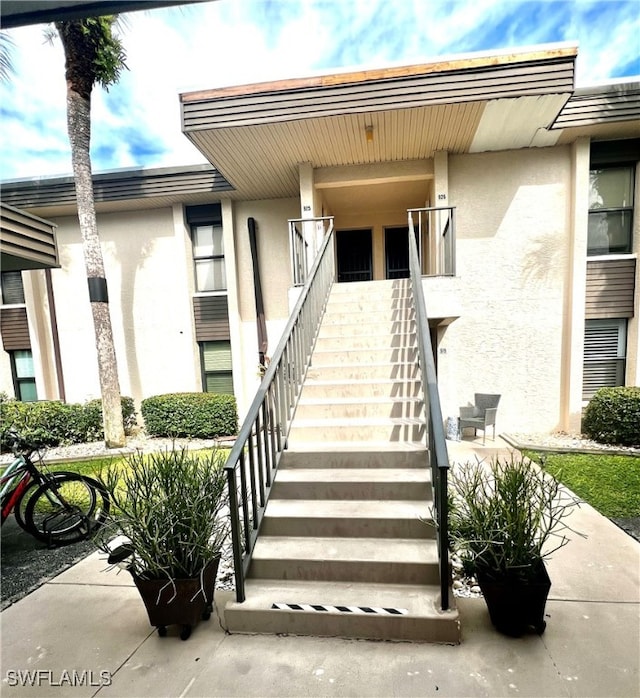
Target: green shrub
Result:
[613, 416]
[94, 409]
[55, 423]
[194, 415]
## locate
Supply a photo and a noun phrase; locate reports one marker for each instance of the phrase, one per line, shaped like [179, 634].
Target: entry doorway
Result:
[396, 252]
[354, 252]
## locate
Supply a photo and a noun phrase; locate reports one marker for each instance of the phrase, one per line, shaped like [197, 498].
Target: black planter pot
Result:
[181, 602]
[516, 603]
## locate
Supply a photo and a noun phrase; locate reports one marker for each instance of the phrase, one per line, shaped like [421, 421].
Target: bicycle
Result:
[57, 508]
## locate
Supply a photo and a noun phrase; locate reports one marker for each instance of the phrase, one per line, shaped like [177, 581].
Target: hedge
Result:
[55, 423]
[613, 416]
[192, 415]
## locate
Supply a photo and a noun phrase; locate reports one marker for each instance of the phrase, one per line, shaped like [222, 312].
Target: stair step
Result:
[329, 456]
[359, 357]
[358, 429]
[361, 342]
[333, 559]
[350, 408]
[420, 620]
[353, 304]
[353, 313]
[362, 388]
[361, 326]
[352, 483]
[385, 370]
[369, 446]
[386, 287]
[344, 518]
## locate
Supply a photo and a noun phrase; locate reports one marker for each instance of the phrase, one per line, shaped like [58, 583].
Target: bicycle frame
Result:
[15, 479]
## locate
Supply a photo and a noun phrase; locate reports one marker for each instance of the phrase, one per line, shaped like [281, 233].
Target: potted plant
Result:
[505, 518]
[171, 509]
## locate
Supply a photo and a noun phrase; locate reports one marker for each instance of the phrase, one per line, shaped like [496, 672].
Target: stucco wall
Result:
[6, 380]
[147, 274]
[272, 240]
[512, 253]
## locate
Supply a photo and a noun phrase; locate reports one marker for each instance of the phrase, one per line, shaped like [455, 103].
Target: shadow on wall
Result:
[544, 259]
[487, 188]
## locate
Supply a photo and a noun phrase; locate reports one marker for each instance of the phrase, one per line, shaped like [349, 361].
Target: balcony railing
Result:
[306, 236]
[254, 458]
[434, 229]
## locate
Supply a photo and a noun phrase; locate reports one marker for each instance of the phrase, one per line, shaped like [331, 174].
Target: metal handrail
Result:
[436, 229]
[255, 456]
[304, 237]
[438, 457]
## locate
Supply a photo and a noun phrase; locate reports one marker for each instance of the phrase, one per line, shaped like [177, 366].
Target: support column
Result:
[576, 282]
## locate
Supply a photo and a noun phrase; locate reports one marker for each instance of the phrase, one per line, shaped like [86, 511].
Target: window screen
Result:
[604, 355]
[217, 367]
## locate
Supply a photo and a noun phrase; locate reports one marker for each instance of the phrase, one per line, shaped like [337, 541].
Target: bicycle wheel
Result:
[66, 510]
[21, 505]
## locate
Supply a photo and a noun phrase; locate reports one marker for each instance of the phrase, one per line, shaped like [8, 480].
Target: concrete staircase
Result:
[342, 550]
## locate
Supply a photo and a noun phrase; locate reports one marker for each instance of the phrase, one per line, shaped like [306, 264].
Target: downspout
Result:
[54, 335]
[257, 287]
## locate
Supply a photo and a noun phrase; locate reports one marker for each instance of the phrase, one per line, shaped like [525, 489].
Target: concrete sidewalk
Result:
[90, 620]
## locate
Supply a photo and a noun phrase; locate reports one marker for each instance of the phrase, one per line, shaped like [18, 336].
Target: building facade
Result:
[521, 189]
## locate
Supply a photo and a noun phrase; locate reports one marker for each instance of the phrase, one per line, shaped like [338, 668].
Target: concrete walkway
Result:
[91, 621]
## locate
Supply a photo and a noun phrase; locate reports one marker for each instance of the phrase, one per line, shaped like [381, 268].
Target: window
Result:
[12, 288]
[610, 210]
[208, 255]
[216, 367]
[24, 377]
[604, 355]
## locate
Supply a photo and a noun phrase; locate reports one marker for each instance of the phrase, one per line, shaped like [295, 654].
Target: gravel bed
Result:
[564, 441]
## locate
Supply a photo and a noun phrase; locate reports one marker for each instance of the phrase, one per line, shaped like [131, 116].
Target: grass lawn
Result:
[610, 484]
[93, 467]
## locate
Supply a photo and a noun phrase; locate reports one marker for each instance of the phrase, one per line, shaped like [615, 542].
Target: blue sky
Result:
[227, 42]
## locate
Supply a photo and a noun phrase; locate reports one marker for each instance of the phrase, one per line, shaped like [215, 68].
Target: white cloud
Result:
[230, 42]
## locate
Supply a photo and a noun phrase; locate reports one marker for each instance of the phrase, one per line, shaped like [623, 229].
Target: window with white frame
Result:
[24, 377]
[604, 355]
[610, 210]
[217, 376]
[208, 256]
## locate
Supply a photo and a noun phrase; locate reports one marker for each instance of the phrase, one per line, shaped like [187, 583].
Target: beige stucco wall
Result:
[512, 255]
[272, 241]
[149, 299]
[633, 328]
[6, 380]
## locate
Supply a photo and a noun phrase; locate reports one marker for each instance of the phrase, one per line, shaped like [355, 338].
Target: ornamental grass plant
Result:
[506, 516]
[172, 508]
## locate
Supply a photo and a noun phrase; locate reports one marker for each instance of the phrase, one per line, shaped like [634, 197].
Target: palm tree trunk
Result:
[79, 127]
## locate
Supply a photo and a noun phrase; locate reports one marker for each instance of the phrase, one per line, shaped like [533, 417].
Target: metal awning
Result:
[26, 241]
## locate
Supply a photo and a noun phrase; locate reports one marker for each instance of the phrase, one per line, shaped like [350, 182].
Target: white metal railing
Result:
[435, 233]
[306, 236]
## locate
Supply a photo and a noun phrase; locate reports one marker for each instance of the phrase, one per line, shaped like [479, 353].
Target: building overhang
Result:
[601, 112]
[120, 190]
[26, 241]
[20, 13]
[256, 135]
